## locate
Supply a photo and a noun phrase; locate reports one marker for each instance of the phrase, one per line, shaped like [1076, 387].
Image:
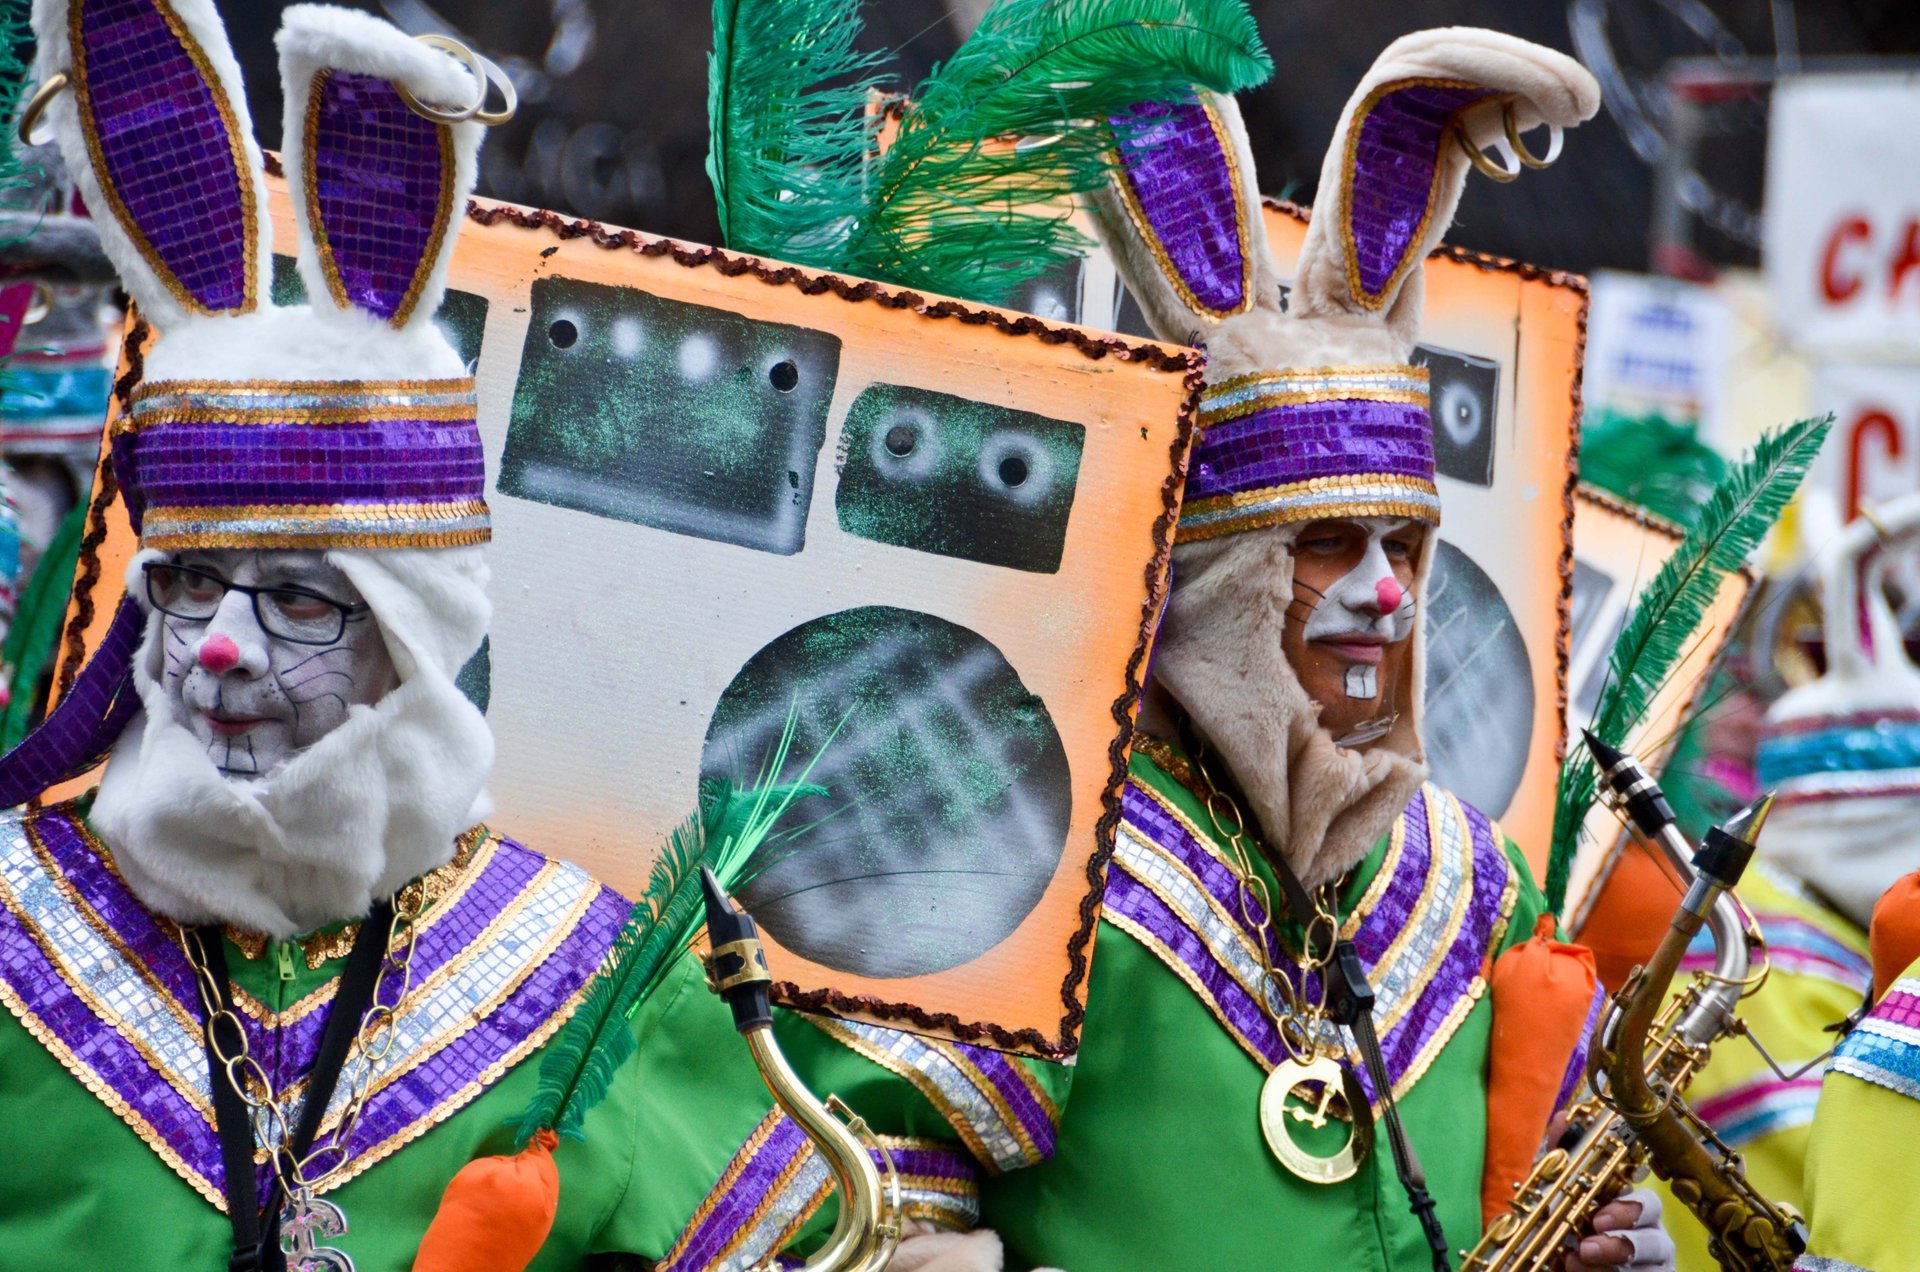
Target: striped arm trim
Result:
[760, 1202]
[939, 1183]
[997, 1108]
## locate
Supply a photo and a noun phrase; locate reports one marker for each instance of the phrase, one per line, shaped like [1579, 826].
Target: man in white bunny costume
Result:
[1211, 1116]
[282, 884]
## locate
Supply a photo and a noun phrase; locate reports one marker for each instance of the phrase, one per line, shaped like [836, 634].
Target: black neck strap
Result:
[256, 1238]
[1350, 1003]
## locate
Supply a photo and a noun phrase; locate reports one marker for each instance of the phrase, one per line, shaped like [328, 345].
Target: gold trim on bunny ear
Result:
[316, 224]
[236, 146]
[1412, 256]
[1136, 213]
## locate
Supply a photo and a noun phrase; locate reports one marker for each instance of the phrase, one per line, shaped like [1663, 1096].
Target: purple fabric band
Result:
[1181, 182]
[1285, 444]
[379, 175]
[1577, 1063]
[739, 1204]
[166, 145]
[1001, 1072]
[932, 1163]
[240, 465]
[85, 724]
[1392, 169]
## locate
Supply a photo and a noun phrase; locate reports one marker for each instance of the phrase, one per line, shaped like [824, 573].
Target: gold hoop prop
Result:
[485, 74]
[1554, 138]
[1478, 158]
[38, 103]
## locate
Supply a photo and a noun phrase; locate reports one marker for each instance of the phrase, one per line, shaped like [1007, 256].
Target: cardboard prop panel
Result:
[1503, 344]
[1617, 549]
[722, 488]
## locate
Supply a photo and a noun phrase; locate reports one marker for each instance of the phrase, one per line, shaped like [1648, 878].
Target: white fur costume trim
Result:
[320, 837]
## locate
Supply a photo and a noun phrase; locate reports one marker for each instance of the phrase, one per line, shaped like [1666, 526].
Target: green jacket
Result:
[112, 1159]
[1161, 1161]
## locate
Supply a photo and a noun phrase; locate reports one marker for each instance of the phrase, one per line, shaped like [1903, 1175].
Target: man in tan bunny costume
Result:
[1224, 1112]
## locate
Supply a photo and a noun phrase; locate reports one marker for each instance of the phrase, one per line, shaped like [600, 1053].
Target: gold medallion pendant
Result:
[1336, 1082]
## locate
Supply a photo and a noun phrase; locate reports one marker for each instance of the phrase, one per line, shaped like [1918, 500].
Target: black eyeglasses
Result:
[290, 613]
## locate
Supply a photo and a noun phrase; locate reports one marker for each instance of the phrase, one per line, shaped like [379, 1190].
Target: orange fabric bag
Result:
[1893, 938]
[496, 1213]
[1546, 995]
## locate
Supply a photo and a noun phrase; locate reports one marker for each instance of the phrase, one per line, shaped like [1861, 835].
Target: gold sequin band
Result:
[1322, 498]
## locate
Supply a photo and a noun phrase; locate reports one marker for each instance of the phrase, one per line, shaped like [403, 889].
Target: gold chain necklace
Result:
[306, 1219]
[1312, 1058]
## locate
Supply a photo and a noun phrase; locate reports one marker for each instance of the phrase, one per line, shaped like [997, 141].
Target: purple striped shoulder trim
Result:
[1438, 905]
[777, 1180]
[993, 1102]
[104, 986]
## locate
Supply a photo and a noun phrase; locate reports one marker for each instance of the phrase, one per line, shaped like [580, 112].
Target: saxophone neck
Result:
[867, 1226]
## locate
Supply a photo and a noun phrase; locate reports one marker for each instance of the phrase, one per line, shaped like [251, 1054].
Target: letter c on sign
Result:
[1873, 421]
[1834, 285]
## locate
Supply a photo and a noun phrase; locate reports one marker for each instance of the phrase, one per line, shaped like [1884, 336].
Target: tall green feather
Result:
[1744, 507]
[727, 832]
[787, 113]
[950, 206]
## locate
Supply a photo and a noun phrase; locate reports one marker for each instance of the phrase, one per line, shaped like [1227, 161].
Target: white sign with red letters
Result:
[1843, 214]
[1873, 455]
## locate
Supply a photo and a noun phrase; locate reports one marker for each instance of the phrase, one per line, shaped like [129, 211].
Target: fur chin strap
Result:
[1219, 657]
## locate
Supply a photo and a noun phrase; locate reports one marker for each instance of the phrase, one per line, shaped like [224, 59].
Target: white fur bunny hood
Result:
[344, 426]
[1310, 410]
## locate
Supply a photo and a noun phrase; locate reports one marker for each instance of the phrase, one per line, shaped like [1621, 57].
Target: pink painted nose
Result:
[1386, 590]
[219, 654]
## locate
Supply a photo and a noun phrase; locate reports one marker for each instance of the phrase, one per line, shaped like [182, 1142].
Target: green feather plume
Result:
[16, 42]
[972, 198]
[726, 834]
[1744, 507]
[787, 97]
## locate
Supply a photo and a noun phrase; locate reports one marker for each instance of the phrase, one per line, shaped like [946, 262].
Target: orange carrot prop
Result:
[496, 1213]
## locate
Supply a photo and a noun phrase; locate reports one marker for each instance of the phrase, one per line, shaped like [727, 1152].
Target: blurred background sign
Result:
[1843, 214]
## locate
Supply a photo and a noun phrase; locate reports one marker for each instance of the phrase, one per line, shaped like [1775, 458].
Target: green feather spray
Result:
[726, 834]
[1744, 507]
[972, 198]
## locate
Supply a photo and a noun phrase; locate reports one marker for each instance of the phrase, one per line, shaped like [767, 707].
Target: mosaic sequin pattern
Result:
[380, 191]
[1295, 445]
[1392, 173]
[1885, 1049]
[773, 1184]
[163, 136]
[938, 1183]
[1181, 187]
[997, 1109]
[86, 968]
[346, 464]
[1423, 932]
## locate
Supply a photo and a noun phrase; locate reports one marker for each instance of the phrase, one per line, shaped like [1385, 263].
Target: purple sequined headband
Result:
[305, 464]
[1279, 447]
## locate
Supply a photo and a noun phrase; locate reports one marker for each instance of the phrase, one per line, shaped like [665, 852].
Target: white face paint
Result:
[1365, 609]
[254, 698]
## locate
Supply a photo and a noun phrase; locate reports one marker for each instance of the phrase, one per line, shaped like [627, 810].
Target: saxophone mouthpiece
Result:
[1729, 848]
[1607, 756]
[736, 962]
[1626, 787]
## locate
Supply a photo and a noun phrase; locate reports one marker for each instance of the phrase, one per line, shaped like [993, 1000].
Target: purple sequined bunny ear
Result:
[377, 185]
[156, 133]
[1399, 160]
[1182, 215]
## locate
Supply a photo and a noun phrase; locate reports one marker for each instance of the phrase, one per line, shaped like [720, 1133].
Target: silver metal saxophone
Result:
[1648, 1049]
[867, 1227]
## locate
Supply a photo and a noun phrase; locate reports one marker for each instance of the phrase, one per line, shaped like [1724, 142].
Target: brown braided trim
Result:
[73, 644]
[1032, 1041]
[812, 282]
[1464, 255]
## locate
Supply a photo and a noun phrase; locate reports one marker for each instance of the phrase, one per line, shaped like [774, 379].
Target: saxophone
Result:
[867, 1227]
[1642, 1060]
